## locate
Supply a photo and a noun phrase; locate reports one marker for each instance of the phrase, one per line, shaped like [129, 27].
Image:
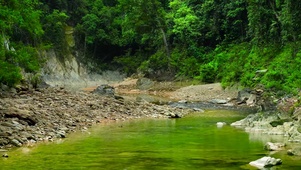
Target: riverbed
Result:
[192, 142]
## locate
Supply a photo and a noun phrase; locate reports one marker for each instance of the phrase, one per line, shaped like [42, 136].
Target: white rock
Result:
[265, 162]
[274, 146]
[220, 124]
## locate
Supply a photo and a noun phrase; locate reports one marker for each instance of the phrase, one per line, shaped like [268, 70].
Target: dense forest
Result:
[247, 41]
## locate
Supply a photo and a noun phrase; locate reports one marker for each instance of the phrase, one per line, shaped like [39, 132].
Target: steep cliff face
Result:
[68, 71]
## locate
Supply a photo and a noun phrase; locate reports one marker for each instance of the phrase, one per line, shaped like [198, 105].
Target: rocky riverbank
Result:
[29, 116]
[282, 123]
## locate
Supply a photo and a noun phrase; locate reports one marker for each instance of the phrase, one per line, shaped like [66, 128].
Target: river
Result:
[192, 142]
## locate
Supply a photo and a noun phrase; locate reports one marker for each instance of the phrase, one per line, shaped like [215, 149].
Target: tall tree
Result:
[145, 18]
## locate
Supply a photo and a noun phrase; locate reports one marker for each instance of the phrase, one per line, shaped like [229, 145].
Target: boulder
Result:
[105, 89]
[243, 95]
[274, 146]
[144, 83]
[16, 142]
[265, 162]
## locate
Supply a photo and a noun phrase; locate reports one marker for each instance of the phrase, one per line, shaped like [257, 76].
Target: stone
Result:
[104, 90]
[174, 115]
[3, 87]
[218, 101]
[61, 134]
[16, 142]
[278, 122]
[198, 110]
[144, 83]
[220, 124]
[243, 95]
[294, 151]
[274, 146]
[243, 122]
[251, 100]
[265, 162]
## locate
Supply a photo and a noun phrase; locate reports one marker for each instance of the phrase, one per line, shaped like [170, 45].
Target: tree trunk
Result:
[166, 46]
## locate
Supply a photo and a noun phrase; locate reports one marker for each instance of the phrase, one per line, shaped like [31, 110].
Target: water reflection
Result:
[193, 142]
[264, 138]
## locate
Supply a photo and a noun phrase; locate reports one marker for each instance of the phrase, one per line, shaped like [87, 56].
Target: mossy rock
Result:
[275, 123]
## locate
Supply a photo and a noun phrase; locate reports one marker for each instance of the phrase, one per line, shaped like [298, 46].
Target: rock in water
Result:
[274, 146]
[220, 124]
[265, 162]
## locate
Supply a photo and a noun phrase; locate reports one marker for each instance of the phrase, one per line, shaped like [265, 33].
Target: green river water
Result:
[192, 142]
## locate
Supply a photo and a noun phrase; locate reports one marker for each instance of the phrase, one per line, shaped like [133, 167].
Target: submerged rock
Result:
[265, 162]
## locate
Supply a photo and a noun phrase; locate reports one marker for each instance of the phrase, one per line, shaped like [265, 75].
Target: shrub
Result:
[208, 72]
[9, 74]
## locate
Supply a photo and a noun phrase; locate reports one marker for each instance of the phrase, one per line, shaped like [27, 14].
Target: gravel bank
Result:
[30, 116]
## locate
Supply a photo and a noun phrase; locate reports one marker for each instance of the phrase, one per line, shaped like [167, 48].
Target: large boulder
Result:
[243, 95]
[265, 162]
[256, 97]
[105, 89]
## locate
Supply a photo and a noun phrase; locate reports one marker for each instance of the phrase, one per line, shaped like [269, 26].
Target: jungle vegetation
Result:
[249, 42]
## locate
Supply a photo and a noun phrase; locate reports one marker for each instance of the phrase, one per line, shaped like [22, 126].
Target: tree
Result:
[185, 22]
[20, 30]
[146, 19]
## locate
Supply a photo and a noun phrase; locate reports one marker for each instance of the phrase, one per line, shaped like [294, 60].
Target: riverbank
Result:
[31, 116]
[28, 116]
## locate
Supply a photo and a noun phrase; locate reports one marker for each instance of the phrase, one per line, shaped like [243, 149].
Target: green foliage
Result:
[275, 68]
[131, 63]
[209, 40]
[9, 74]
[184, 64]
[21, 29]
[54, 24]
[185, 22]
[208, 72]
[27, 58]
[157, 61]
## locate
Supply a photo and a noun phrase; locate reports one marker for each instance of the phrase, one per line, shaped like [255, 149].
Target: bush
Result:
[28, 59]
[9, 74]
[208, 72]
[130, 62]
[184, 64]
